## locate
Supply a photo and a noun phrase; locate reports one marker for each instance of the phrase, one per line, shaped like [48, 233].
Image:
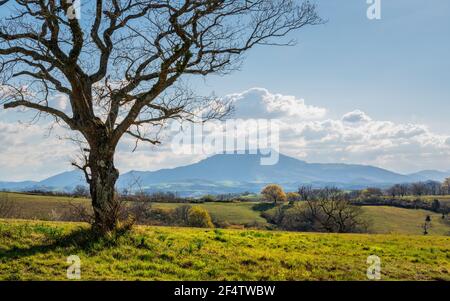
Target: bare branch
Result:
[45, 109]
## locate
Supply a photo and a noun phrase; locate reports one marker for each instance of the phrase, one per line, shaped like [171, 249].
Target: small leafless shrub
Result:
[161, 216]
[181, 214]
[139, 212]
[78, 213]
[81, 191]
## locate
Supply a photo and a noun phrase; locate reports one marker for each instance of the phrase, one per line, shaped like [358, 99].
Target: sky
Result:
[352, 90]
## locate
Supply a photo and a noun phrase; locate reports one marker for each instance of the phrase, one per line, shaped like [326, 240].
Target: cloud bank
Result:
[306, 132]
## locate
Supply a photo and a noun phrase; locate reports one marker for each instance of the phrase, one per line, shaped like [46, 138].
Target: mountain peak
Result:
[239, 172]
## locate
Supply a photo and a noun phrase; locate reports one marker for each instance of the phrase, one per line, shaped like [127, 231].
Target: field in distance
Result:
[383, 219]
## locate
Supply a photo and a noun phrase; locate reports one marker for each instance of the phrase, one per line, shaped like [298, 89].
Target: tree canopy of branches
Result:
[119, 65]
[331, 211]
[306, 192]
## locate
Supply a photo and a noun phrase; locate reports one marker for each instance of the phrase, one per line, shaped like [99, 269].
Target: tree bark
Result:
[103, 179]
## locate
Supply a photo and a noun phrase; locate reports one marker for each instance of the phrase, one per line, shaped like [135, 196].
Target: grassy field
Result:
[29, 206]
[31, 250]
[234, 213]
[40, 207]
[382, 219]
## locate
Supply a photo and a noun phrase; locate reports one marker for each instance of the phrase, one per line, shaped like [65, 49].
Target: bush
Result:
[293, 197]
[161, 216]
[181, 214]
[199, 217]
[293, 219]
[139, 212]
[208, 198]
[275, 214]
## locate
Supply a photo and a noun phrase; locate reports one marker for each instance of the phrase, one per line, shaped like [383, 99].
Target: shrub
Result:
[436, 205]
[139, 211]
[181, 214]
[292, 197]
[208, 198]
[199, 217]
[293, 219]
[78, 213]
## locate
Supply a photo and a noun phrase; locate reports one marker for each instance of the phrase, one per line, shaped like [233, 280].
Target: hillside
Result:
[234, 173]
[382, 219]
[38, 251]
[391, 220]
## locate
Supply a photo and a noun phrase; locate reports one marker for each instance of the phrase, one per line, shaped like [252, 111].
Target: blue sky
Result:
[396, 68]
[391, 74]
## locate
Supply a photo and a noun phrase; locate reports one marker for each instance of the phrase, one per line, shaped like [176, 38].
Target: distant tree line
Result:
[419, 189]
[411, 196]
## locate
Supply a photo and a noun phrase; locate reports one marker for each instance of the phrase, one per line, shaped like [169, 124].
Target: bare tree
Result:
[120, 65]
[331, 211]
[403, 189]
[418, 189]
[306, 192]
[80, 191]
[393, 190]
[398, 190]
[432, 188]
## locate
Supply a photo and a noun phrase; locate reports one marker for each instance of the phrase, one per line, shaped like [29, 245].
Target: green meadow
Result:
[32, 250]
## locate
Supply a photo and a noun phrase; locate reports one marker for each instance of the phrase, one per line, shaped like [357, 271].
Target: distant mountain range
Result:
[234, 173]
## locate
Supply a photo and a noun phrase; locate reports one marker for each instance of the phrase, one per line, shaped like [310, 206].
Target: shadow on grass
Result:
[80, 240]
[263, 206]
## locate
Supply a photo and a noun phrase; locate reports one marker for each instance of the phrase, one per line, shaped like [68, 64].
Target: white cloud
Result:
[356, 116]
[32, 151]
[306, 132]
[260, 103]
[395, 146]
[60, 102]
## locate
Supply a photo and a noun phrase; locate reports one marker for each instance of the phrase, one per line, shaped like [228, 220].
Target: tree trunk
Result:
[102, 187]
